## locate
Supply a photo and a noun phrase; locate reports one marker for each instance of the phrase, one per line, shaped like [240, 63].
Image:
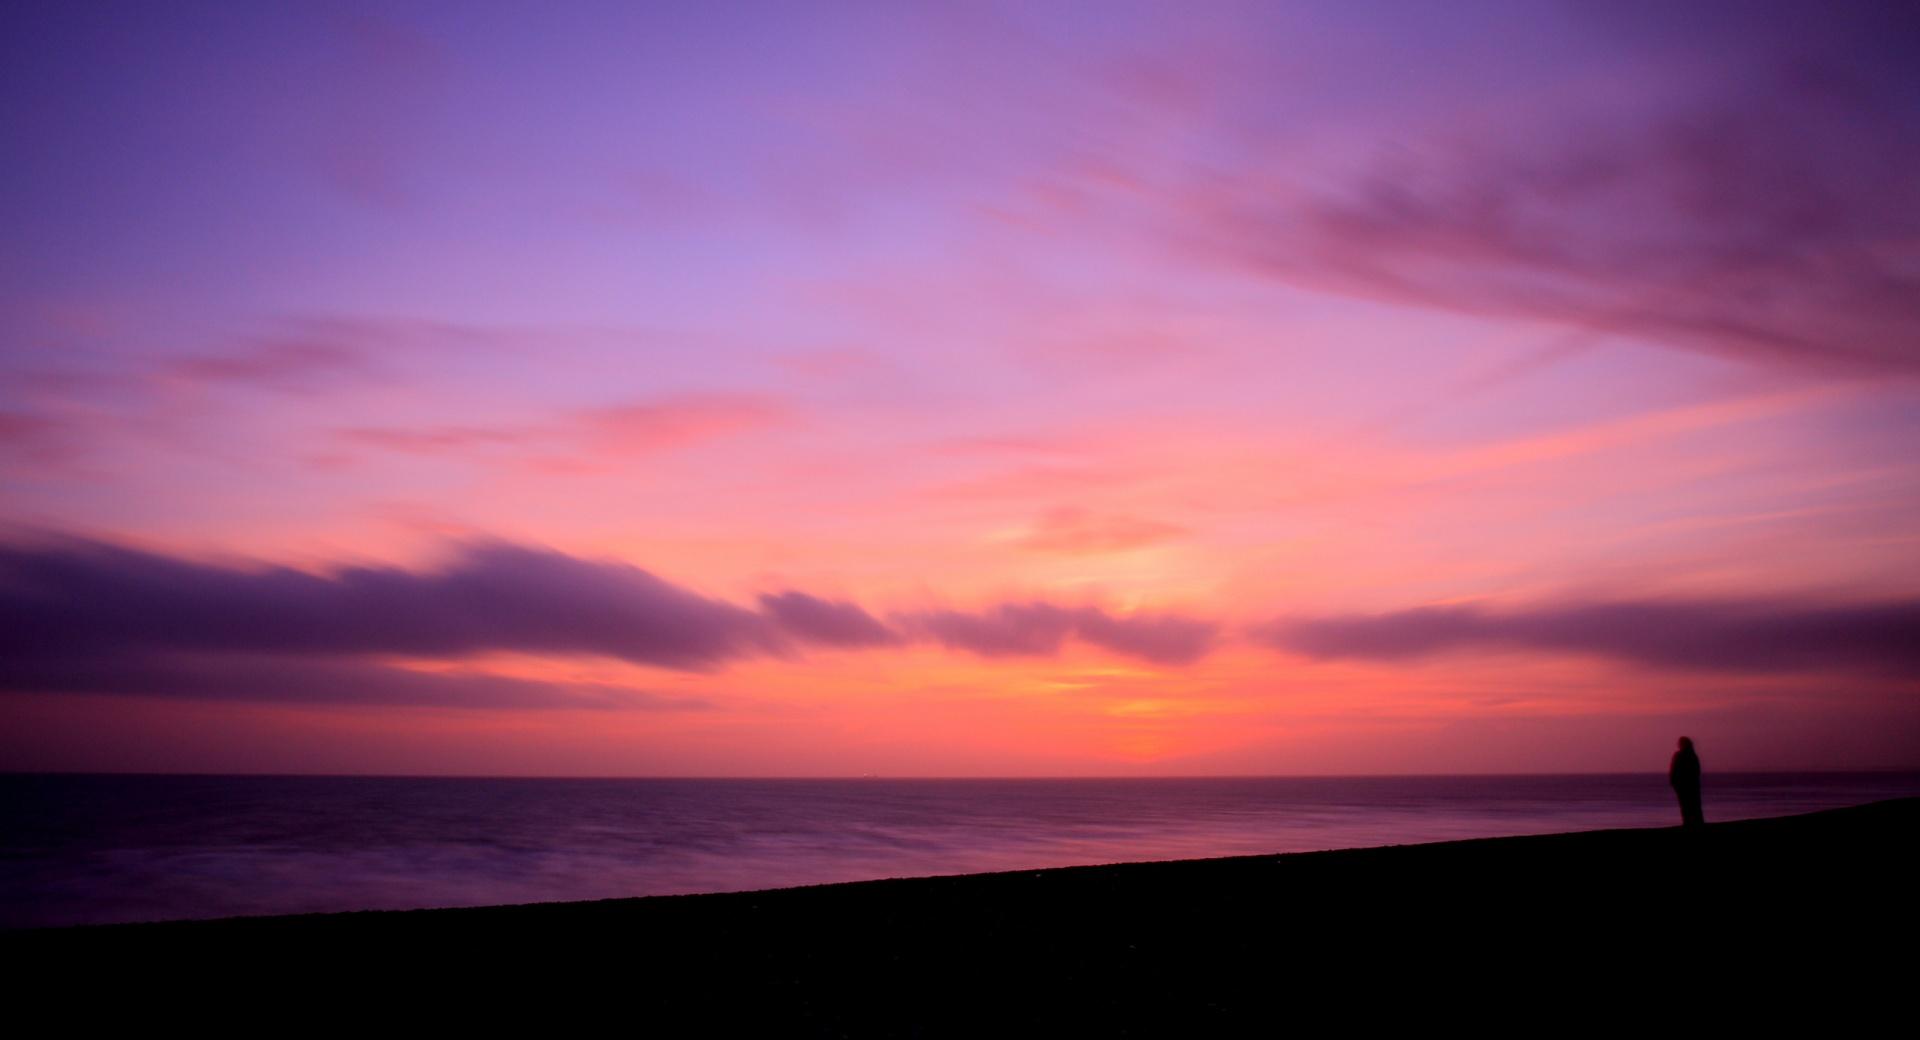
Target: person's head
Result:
[1686, 743]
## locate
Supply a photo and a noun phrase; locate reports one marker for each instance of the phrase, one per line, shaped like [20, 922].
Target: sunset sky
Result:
[958, 389]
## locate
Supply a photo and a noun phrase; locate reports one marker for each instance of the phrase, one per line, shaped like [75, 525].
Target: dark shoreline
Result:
[1619, 916]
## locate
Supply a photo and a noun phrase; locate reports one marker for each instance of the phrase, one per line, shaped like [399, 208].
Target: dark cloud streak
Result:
[91, 597]
[1038, 629]
[827, 622]
[306, 680]
[1731, 636]
[86, 616]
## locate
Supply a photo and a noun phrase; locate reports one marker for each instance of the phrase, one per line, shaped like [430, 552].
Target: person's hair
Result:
[1686, 743]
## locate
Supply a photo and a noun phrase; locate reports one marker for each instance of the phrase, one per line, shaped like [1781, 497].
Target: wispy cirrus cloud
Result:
[1758, 635]
[437, 440]
[40, 439]
[96, 400]
[583, 436]
[1763, 212]
[646, 426]
[1077, 532]
[287, 364]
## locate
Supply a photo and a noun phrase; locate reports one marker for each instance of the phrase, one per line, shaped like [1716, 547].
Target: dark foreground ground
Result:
[1802, 922]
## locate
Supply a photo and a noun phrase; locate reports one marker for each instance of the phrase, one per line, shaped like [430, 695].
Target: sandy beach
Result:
[1802, 915]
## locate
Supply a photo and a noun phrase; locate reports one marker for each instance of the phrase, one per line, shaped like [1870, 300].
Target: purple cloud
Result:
[16, 427]
[35, 438]
[1160, 638]
[1038, 629]
[1011, 629]
[89, 597]
[294, 364]
[314, 680]
[87, 616]
[1764, 214]
[826, 622]
[1755, 636]
[437, 439]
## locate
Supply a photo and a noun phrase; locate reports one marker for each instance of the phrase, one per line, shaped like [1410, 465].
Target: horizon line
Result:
[1889, 770]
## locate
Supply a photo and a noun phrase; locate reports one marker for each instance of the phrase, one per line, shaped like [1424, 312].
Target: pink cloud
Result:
[651, 426]
[1077, 532]
[35, 437]
[436, 440]
[836, 364]
[581, 441]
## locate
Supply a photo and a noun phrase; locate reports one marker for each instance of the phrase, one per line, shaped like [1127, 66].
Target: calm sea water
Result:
[92, 849]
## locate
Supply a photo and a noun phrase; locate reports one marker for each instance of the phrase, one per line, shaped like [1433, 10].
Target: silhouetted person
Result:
[1684, 775]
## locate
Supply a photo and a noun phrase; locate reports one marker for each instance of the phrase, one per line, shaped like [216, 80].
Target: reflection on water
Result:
[87, 849]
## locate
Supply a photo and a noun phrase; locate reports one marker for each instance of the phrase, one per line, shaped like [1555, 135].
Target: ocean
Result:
[92, 849]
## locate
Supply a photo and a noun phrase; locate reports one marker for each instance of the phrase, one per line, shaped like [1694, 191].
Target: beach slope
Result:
[1805, 918]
